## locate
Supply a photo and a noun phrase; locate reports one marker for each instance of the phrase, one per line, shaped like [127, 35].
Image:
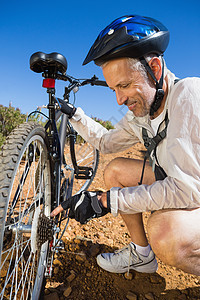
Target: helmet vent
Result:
[111, 31]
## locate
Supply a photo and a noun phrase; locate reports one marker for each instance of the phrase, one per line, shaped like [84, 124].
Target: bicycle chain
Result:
[45, 230]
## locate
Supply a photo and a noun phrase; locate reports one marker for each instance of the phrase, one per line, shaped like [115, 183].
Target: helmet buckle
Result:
[160, 94]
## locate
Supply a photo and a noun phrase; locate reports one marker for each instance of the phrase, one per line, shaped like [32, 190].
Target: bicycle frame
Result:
[56, 144]
[54, 148]
[39, 178]
[56, 140]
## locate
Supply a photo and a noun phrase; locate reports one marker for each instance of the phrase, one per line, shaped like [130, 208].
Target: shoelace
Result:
[131, 250]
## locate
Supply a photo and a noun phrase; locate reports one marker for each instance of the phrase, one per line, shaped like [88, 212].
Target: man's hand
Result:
[66, 108]
[84, 206]
[56, 211]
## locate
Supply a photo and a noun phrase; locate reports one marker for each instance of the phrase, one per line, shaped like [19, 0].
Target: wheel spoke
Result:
[24, 272]
[31, 273]
[89, 155]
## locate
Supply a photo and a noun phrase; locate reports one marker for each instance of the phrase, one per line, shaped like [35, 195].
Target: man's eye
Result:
[124, 86]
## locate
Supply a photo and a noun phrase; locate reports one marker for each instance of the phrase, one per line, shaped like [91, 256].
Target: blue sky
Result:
[70, 27]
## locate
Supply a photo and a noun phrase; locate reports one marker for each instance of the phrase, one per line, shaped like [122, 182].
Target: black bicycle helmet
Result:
[129, 36]
[132, 36]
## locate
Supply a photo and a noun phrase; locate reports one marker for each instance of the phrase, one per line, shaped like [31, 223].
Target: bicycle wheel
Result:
[86, 156]
[25, 194]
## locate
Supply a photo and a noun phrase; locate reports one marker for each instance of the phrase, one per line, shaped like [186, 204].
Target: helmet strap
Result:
[159, 86]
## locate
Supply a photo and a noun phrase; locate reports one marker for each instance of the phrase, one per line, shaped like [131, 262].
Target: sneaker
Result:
[126, 259]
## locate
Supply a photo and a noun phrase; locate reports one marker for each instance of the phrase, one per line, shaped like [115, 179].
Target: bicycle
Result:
[38, 166]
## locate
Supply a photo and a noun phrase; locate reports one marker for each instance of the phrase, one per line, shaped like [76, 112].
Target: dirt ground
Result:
[77, 276]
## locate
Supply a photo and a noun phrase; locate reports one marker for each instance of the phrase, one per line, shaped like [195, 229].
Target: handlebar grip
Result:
[100, 82]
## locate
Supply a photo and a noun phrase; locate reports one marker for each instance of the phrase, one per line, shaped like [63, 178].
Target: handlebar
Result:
[101, 83]
[93, 81]
[76, 83]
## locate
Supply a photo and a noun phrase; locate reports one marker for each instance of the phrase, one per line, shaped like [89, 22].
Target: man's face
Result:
[131, 88]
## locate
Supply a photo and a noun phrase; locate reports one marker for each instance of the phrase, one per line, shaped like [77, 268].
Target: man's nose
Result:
[121, 97]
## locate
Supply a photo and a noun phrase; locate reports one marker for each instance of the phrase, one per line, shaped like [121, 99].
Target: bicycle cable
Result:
[63, 230]
[38, 112]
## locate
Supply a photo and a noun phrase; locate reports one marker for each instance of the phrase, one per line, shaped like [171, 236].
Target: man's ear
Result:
[156, 66]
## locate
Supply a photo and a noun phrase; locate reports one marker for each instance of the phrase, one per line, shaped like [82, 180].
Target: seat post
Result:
[51, 105]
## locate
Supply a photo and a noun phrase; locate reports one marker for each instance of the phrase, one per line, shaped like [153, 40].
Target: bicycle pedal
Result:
[83, 172]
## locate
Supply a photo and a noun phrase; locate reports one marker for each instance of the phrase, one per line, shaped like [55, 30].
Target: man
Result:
[164, 114]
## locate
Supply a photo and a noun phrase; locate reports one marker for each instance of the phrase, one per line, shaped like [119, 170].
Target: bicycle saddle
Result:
[51, 63]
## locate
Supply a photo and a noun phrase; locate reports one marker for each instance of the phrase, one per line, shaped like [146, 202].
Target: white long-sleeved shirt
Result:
[178, 154]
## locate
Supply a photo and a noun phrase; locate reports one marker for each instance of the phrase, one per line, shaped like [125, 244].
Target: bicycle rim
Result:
[26, 190]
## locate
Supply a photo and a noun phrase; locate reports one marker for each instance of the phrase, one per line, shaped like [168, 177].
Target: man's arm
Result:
[106, 141]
